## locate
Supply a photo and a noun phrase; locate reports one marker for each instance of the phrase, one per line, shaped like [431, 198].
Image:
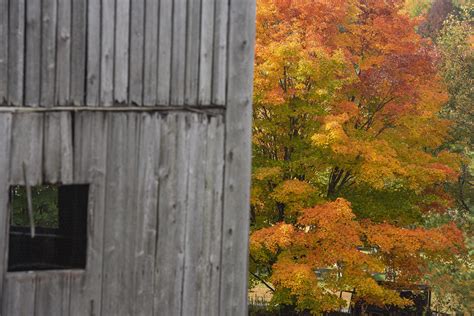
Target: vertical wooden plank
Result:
[107, 57]
[194, 262]
[52, 293]
[164, 51]
[78, 51]
[136, 51]
[151, 53]
[193, 39]
[3, 51]
[51, 148]
[57, 148]
[27, 146]
[212, 217]
[219, 72]
[93, 52]
[122, 27]
[146, 229]
[16, 49]
[63, 53]
[206, 52]
[48, 52]
[171, 212]
[120, 214]
[19, 296]
[90, 156]
[33, 56]
[178, 57]
[5, 140]
[233, 292]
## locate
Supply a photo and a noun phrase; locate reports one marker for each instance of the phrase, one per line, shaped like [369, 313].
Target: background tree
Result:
[346, 93]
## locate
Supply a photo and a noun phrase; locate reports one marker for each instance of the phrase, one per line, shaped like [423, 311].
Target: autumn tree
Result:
[346, 93]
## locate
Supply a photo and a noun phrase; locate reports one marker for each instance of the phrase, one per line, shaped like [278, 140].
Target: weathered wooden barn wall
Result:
[149, 102]
[153, 175]
[114, 52]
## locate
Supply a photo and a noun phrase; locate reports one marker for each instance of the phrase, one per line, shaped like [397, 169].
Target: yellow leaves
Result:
[295, 194]
[266, 173]
[333, 131]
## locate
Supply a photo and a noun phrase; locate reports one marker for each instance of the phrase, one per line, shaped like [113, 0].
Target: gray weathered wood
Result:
[178, 57]
[137, 42]
[58, 148]
[93, 52]
[90, 156]
[27, 146]
[16, 49]
[212, 217]
[193, 38]
[119, 230]
[78, 51]
[52, 293]
[146, 229]
[19, 296]
[171, 212]
[107, 54]
[206, 51]
[5, 131]
[150, 78]
[194, 262]
[33, 56]
[122, 27]
[63, 53]
[3, 52]
[164, 51]
[233, 297]
[219, 71]
[48, 52]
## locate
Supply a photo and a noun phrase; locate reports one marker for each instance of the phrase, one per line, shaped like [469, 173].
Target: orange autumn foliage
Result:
[347, 107]
[329, 236]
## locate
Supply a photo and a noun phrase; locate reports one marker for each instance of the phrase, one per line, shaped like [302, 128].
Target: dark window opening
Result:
[60, 220]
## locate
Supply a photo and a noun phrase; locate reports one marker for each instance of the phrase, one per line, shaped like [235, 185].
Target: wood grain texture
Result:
[219, 71]
[146, 219]
[178, 57]
[78, 51]
[52, 293]
[150, 78]
[63, 53]
[90, 163]
[193, 38]
[206, 51]
[19, 296]
[4, 52]
[58, 148]
[164, 51]
[107, 53]
[171, 222]
[117, 267]
[93, 52]
[33, 56]
[16, 49]
[5, 140]
[194, 261]
[137, 42]
[27, 146]
[212, 218]
[233, 292]
[122, 28]
[48, 52]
